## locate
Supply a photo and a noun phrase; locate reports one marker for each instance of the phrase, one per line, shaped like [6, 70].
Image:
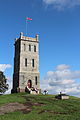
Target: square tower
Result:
[26, 64]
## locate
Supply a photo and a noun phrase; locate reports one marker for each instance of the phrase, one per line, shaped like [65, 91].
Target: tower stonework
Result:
[26, 64]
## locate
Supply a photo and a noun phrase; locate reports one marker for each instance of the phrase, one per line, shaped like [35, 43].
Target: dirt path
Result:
[11, 107]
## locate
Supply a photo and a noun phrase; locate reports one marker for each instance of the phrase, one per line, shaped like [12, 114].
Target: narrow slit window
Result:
[24, 47]
[32, 62]
[26, 62]
[29, 47]
[34, 48]
[36, 80]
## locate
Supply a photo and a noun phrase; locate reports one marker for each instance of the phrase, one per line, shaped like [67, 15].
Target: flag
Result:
[29, 18]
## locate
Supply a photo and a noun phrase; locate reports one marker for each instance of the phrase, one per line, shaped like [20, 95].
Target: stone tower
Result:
[26, 64]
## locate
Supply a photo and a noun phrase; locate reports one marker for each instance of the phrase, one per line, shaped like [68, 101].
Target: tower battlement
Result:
[36, 39]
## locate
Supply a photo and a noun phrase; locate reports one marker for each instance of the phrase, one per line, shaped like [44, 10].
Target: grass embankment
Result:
[42, 107]
[4, 99]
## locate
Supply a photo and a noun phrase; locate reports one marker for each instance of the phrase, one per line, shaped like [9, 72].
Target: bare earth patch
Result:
[11, 107]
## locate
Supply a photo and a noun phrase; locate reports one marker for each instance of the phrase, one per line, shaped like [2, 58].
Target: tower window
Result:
[26, 62]
[29, 47]
[24, 47]
[32, 62]
[36, 80]
[34, 48]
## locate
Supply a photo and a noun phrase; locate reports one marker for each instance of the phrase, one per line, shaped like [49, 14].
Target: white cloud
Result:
[3, 67]
[62, 80]
[62, 67]
[61, 4]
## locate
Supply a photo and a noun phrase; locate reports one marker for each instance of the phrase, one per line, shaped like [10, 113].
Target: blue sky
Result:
[58, 26]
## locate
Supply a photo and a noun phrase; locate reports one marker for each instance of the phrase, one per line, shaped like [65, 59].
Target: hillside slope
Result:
[38, 107]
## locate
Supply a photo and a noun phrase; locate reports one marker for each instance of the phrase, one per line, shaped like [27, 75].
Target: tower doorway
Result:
[29, 83]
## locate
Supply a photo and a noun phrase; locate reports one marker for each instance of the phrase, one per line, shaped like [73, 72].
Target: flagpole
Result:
[27, 19]
[26, 27]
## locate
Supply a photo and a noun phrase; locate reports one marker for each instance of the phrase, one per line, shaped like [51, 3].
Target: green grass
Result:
[51, 109]
[4, 99]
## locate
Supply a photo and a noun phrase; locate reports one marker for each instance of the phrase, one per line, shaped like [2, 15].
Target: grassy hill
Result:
[38, 107]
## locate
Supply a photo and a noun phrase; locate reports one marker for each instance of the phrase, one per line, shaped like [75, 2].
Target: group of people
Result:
[45, 92]
[36, 90]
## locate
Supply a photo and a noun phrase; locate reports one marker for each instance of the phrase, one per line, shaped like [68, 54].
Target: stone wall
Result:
[25, 73]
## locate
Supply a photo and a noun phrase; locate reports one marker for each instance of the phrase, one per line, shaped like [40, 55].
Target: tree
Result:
[3, 83]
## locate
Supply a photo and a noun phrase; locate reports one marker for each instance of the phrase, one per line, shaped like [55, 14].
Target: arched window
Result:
[29, 84]
[29, 47]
